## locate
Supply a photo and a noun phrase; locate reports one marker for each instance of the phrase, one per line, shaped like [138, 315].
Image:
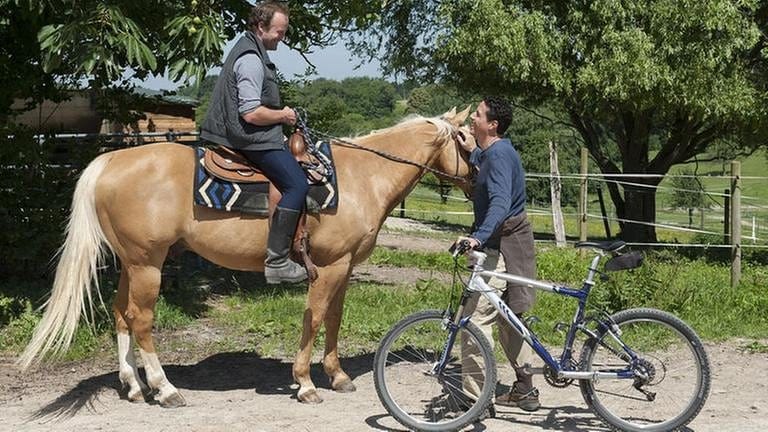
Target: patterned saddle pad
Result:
[253, 198]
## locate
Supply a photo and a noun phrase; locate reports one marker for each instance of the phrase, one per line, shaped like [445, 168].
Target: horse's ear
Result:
[462, 116]
[449, 115]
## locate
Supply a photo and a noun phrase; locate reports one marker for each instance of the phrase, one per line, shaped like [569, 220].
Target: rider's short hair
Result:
[499, 109]
[263, 12]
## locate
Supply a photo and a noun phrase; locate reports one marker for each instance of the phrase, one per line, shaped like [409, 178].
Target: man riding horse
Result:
[246, 115]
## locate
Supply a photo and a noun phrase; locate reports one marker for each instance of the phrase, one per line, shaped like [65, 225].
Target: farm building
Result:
[79, 115]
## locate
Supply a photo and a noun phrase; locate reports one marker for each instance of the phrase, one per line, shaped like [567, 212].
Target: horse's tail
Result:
[79, 259]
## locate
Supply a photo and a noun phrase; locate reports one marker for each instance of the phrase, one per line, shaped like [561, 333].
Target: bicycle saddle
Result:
[608, 245]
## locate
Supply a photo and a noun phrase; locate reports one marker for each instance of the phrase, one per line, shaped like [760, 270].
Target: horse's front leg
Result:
[321, 294]
[340, 381]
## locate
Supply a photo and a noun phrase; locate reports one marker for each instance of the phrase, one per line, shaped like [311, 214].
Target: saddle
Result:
[230, 165]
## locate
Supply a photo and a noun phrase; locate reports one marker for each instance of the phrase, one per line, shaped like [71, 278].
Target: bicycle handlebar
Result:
[459, 248]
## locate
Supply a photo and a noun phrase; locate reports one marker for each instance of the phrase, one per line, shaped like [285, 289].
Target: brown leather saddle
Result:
[230, 165]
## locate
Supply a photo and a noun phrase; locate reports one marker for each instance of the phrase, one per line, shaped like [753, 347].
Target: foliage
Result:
[35, 193]
[435, 99]
[47, 43]
[200, 91]
[21, 74]
[352, 106]
[531, 132]
[270, 319]
[688, 192]
[626, 76]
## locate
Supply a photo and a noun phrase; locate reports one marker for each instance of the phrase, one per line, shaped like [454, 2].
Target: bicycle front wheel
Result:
[420, 394]
[672, 375]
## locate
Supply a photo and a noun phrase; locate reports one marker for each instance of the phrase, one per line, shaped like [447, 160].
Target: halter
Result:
[310, 133]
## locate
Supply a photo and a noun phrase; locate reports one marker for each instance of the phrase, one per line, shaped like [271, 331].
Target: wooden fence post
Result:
[583, 195]
[555, 188]
[727, 217]
[735, 223]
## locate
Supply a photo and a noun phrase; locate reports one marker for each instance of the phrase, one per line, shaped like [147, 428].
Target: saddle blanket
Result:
[253, 198]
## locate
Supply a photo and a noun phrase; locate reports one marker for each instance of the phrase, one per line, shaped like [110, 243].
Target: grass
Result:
[755, 347]
[424, 204]
[88, 340]
[694, 290]
[273, 321]
[269, 321]
[420, 260]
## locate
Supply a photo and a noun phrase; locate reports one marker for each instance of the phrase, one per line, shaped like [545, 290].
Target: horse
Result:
[137, 203]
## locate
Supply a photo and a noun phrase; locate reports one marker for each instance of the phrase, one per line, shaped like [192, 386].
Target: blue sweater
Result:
[500, 189]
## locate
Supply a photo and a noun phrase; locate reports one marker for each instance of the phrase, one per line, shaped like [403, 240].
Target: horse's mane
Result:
[444, 128]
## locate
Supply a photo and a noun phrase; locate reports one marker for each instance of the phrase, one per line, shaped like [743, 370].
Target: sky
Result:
[334, 62]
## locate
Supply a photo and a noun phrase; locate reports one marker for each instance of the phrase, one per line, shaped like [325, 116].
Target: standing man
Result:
[501, 226]
[246, 114]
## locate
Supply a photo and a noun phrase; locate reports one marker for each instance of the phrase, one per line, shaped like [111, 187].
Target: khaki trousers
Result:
[484, 315]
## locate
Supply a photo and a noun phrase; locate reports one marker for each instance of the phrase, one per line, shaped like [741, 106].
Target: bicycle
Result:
[639, 369]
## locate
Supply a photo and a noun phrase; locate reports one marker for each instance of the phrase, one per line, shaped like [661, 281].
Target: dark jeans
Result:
[281, 168]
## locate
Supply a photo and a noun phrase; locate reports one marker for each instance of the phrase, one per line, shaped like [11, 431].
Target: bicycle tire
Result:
[659, 352]
[403, 371]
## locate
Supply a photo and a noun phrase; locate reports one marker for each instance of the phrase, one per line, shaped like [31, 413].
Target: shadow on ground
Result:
[219, 372]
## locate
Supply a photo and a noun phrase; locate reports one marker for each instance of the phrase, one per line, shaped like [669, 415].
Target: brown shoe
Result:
[525, 400]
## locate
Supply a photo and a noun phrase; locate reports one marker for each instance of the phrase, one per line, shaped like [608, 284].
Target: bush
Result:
[35, 193]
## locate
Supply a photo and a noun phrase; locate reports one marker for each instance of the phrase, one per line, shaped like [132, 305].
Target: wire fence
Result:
[704, 226]
[689, 224]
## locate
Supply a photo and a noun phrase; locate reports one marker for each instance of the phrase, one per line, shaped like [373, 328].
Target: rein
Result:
[310, 132]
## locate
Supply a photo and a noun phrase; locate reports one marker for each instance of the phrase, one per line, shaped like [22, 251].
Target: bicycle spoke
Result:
[668, 374]
[411, 388]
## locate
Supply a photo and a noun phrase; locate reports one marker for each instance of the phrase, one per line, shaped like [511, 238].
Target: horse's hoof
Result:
[175, 400]
[345, 386]
[310, 397]
[137, 396]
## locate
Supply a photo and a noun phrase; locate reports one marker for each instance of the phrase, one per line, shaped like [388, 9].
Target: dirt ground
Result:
[238, 391]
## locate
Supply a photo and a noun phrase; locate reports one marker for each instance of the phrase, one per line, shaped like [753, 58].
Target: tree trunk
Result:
[640, 206]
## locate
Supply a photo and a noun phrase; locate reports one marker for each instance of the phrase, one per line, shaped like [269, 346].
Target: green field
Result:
[424, 204]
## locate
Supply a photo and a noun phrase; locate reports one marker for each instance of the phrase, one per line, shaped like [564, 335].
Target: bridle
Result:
[312, 134]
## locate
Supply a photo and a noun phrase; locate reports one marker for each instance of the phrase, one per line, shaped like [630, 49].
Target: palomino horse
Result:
[138, 203]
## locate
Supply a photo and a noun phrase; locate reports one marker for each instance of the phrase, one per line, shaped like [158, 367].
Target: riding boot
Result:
[278, 266]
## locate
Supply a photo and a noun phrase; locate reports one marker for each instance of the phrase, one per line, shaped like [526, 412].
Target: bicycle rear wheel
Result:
[417, 395]
[672, 375]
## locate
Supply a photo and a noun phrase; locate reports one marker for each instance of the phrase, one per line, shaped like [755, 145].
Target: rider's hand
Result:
[289, 116]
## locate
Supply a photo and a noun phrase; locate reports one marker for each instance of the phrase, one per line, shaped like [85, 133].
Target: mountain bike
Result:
[639, 369]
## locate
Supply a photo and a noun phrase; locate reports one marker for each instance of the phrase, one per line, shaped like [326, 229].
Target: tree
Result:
[435, 99]
[48, 43]
[21, 74]
[682, 73]
[688, 193]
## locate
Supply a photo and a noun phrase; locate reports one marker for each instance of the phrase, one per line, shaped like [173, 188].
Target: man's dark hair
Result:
[499, 109]
[263, 12]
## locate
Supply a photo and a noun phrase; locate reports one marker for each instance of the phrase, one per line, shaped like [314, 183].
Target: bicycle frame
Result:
[561, 368]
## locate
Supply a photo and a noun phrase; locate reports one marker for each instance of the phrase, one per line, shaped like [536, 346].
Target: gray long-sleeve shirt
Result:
[249, 73]
[499, 192]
